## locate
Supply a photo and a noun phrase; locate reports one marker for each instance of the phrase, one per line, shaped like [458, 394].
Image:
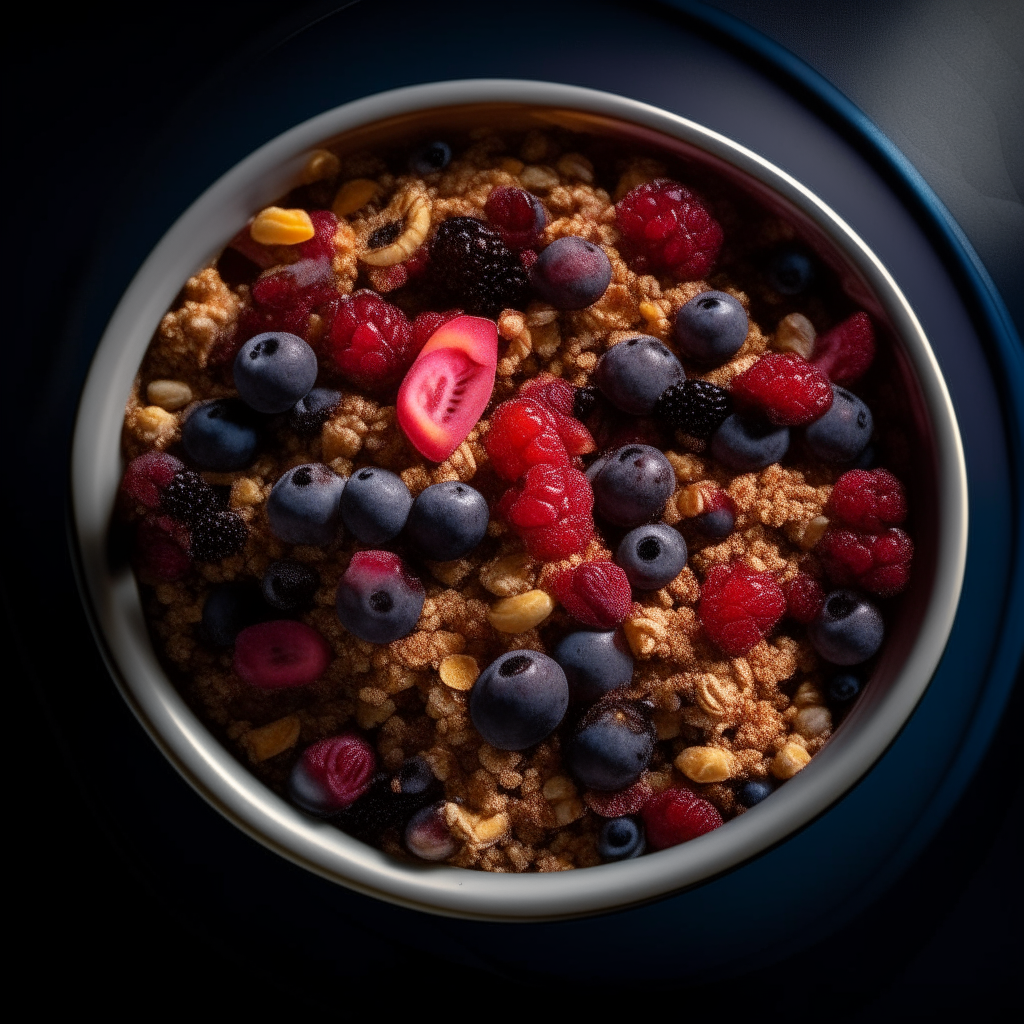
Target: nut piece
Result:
[245, 492]
[643, 635]
[813, 532]
[354, 195]
[690, 501]
[520, 613]
[812, 721]
[475, 829]
[789, 760]
[538, 178]
[414, 208]
[559, 787]
[459, 671]
[320, 164]
[152, 423]
[276, 226]
[272, 739]
[170, 395]
[705, 764]
[807, 695]
[795, 333]
[508, 576]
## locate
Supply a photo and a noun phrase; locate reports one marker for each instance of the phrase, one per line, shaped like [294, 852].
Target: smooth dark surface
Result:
[130, 880]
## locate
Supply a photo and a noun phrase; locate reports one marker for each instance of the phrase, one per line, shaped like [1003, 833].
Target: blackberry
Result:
[481, 273]
[583, 402]
[217, 535]
[313, 411]
[391, 800]
[696, 407]
[188, 497]
[290, 586]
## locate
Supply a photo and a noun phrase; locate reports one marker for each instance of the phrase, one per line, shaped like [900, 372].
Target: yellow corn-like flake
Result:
[354, 195]
[277, 226]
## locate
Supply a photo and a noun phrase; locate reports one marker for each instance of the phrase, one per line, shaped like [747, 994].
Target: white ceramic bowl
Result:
[913, 648]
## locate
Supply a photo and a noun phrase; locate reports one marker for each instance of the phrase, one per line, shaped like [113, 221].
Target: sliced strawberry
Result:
[449, 385]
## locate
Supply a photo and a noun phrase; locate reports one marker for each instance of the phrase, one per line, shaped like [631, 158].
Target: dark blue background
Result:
[96, 132]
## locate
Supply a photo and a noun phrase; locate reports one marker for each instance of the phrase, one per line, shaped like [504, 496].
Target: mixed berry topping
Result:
[635, 373]
[869, 500]
[379, 597]
[676, 816]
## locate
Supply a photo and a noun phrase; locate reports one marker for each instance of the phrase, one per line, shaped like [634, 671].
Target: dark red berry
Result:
[523, 433]
[594, 593]
[333, 774]
[518, 216]
[739, 606]
[281, 654]
[147, 477]
[844, 353]
[787, 389]
[868, 499]
[427, 323]
[804, 598]
[665, 227]
[558, 397]
[162, 549]
[676, 816]
[370, 342]
[321, 245]
[614, 805]
[876, 562]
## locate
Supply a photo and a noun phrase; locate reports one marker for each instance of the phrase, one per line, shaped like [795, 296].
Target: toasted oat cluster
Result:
[514, 502]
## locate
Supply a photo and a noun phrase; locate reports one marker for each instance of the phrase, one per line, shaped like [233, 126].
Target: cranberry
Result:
[676, 816]
[276, 655]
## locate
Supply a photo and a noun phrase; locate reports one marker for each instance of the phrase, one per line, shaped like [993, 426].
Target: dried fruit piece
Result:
[276, 655]
[332, 774]
[595, 593]
[739, 606]
[614, 805]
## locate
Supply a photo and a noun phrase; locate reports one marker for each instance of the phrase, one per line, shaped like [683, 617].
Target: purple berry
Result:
[430, 158]
[696, 407]
[447, 521]
[620, 839]
[379, 599]
[375, 505]
[313, 410]
[843, 688]
[612, 746]
[633, 374]
[652, 556]
[290, 586]
[848, 629]
[221, 434]
[711, 328]
[303, 507]
[790, 270]
[594, 663]
[754, 791]
[747, 443]
[842, 433]
[632, 486]
[273, 371]
[571, 273]
[427, 835]
[519, 699]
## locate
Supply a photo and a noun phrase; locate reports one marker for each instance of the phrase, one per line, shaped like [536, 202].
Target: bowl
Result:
[923, 616]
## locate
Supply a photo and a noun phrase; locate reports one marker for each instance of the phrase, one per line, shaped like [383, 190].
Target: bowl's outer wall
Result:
[857, 849]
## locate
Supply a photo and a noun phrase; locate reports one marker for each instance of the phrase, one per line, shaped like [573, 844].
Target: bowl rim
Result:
[112, 601]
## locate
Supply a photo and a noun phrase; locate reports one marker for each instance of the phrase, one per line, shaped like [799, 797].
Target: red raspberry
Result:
[342, 767]
[551, 509]
[675, 816]
[370, 342]
[877, 562]
[804, 598]
[325, 227]
[868, 499]
[614, 805]
[557, 396]
[788, 389]
[845, 352]
[518, 216]
[162, 549]
[281, 654]
[148, 476]
[666, 227]
[427, 323]
[594, 593]
[739, 606]
[523, 434]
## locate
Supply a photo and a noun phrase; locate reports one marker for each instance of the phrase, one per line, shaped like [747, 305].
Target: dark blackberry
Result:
[583, 402]
[312, 412]
[217, 535]
[188, 497]
[391, 800]
[696, 407]
[385, 235]
[290, 586]
[479, 271]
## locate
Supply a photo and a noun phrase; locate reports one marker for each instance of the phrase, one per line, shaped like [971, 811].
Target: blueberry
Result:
[303, 507]
[612, 746]
[375, 505]
[843, 688]
[519, 699]
[447, 521]
[231, 607]
[868, 459]
[221, 434]
[431, 157]
[273, 371]
[633, 485]
[290, 586]
[717, 523]
[379, 599]
[427, 835]
[844, 431]
[711, 328]
[652, 556]
[571, 273]
[754, 791]
[633, 374]
[313, 410]
[848, 629]
[620, 839]
[790, 270]
[594, 663]
[746, 443]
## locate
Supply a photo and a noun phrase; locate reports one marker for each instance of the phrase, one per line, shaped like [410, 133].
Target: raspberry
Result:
[188, 497]
[477, 268]
[789, 390]
[665, 227]
[551, 509]
[321, 245]
[739, 606]
[868, 499]
[427, 323]
[557, 396]
[217, 535]
[844, 353]
[370, 342]
[523, 434]
[146, 478]
[517, 215]
[696, 407]
[675, 816]
[162, 549]
[614, 805]
[877, 562]
[804, 598]
[594, 593]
